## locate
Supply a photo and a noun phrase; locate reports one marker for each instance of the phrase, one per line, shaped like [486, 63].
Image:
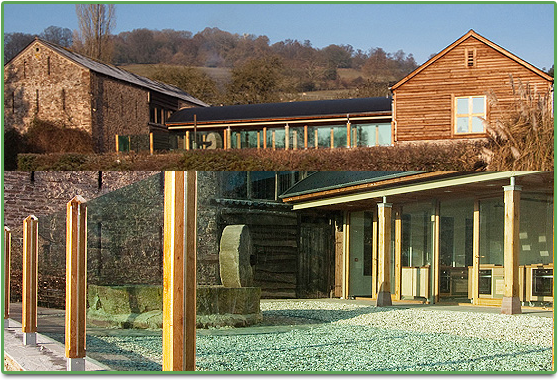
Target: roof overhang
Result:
[423, 186]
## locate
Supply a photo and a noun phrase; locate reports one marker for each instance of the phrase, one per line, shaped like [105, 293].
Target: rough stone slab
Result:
[47, 355]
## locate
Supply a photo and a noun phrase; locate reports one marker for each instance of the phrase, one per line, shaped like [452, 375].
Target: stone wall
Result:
[40, 83]
[119, 109]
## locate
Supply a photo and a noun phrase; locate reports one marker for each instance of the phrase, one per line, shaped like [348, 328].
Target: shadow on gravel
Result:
[112, 355]
[319, 316]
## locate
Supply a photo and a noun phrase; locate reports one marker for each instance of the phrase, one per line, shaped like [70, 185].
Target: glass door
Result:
[360, 254]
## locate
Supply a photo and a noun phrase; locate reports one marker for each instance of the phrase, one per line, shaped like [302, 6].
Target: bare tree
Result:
[96, 22]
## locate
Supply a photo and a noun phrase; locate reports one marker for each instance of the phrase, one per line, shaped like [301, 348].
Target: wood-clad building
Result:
[449, 96]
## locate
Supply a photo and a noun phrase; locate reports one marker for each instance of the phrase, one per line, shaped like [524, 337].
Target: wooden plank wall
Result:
[316, 260]
[423, 108]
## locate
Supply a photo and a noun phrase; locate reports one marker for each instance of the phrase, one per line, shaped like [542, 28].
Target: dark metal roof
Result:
[322, 108]
[121, 74]
[327, 180]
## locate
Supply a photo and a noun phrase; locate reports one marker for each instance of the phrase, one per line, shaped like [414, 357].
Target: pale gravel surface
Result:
[354, 337]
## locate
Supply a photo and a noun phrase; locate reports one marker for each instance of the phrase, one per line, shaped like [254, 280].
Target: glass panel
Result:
[340, 136]
[463, 106]
[535, 229]
[416, 242]
[360, 254]
[311, 137]
[456, 247]
[297, 137]
[384, 134]
[262, 185]
[249, 139]
[366, 135]
[279, 138]
[233, 185]
[477, 124]
[324, 137]
[478, 105]
[492, 231]
[462, 125]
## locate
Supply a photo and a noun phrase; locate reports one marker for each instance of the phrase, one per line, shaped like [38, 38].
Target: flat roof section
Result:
[272, 111]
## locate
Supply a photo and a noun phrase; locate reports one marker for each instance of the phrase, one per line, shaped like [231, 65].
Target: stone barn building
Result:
[51, 83]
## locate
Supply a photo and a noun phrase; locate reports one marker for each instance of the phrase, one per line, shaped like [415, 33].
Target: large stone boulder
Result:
[234, 257]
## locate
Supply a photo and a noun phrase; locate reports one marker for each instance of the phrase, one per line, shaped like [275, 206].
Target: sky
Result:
[525, 29]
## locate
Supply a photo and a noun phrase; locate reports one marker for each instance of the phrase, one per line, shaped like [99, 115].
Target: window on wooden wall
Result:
[470, 58]
[470, 113]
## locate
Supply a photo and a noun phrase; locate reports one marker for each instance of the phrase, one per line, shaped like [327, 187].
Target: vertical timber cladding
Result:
[316, 260]
[424, 102]
[275, 246]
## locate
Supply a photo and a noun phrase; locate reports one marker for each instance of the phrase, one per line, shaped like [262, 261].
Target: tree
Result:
[96, 22]
[192, 80]
[256, 81]
[14, 43]
[57, 35]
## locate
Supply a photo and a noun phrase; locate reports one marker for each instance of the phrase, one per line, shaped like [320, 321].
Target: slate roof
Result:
[121, 74]
[270, 111]
[327, 180]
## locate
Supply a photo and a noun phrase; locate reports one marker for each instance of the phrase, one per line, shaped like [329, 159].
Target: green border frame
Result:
[116, 374]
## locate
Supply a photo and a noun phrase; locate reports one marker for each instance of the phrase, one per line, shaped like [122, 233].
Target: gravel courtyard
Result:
[316, 335]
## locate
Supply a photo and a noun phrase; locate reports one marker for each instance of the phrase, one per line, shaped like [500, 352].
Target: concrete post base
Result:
[6, 323]
[75, 364]
[384, 299]
[511, 305]
[29, 338]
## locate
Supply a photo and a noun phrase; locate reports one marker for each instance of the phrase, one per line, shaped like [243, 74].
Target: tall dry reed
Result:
[522, 138]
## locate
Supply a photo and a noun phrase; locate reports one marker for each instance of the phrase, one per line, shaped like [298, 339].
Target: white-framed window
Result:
[470, 113]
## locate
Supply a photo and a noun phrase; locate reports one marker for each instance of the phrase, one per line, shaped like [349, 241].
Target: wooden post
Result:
[116, 143]
[476, 253]
[229, 138]
[331, 137]
[273, 139]
[7, 258]
[225, 145]
[375, 254]
[305, 137]
[316, 138]
[179, 272]
[287, 141]
[151, 143]
[264, 137]
[384, 254]
[30, 280]
[258, 139]
[295, 140]
[348, 134]
[436, 258]
[510, 302]
[76, 283]
[397, 253]
[238, 142]
[187, 141]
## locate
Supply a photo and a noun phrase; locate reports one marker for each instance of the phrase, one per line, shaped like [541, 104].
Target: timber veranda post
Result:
[30, 280]
[7, 258]
[76, 283]
[179, 271]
